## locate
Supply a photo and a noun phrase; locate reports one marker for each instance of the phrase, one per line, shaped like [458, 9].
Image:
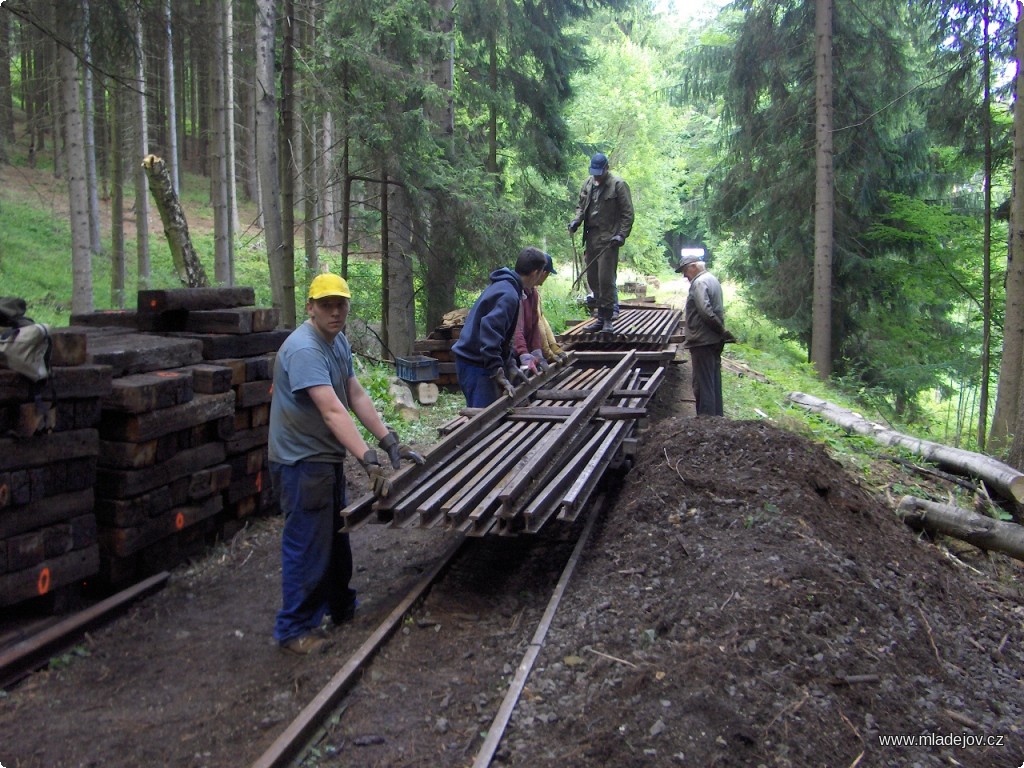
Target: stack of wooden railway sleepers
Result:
[639, 326]
[183, 433]
[515, 465]
[438, 345]
[49, 443]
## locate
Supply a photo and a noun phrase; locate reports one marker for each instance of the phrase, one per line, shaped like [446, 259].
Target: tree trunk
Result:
[1005, 480]
[983, 532]
[401, 305]
[282, 271]
[219, 166]
[435, 252]
[821, 322]
[307, 127]
[6, 95]
[78, 193]
[229, 120]
[288, 166]
[117, 255]
[329, 228]
[986, 276]
[172, 105]
[142, 148]
[91, 179]
[186, 260]
[1006, 420]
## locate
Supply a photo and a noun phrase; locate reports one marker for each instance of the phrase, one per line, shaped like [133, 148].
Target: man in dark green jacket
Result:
[605, 210]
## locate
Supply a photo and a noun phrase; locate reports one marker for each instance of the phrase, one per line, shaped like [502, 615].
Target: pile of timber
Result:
[438, 345]
[183, 432]
[49, 444]
[513, 466]
[638, 326]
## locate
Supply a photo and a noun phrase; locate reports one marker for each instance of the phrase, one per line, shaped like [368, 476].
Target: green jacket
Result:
[604, 210]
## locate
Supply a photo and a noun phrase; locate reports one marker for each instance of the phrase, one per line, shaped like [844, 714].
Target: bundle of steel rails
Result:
[513, 466]
[636, 327]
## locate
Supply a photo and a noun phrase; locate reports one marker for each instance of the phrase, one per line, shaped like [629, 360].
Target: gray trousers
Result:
[603, 265]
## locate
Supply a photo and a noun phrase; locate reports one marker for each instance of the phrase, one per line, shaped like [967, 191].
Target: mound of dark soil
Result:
[747, 603]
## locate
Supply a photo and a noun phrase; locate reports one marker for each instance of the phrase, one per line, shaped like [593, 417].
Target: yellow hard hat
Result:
[329, 285]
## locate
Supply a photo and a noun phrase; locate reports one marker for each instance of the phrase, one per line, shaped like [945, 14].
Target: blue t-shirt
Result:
[298, 431]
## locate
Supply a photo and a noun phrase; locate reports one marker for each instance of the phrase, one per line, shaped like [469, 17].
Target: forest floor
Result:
[744, 601]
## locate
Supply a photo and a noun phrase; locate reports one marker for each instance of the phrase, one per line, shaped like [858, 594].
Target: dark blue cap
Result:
[549, 265]
[598, 164]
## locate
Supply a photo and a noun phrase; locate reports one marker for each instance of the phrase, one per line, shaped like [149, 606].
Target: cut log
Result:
[1001, 478]
[983, 532]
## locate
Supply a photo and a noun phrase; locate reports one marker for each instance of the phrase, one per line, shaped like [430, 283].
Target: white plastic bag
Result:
[26, 350]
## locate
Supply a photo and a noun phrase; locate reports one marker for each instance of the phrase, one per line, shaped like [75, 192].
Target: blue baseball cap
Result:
[549, 265]
[598, 164]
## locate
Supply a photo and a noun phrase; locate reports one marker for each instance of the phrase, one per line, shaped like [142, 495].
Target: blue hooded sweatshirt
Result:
[486, 339]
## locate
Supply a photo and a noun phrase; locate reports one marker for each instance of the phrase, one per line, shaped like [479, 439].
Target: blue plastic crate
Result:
[416, 368]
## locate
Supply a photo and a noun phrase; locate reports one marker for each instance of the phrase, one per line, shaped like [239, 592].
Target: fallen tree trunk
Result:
[999, 477]
[186, 260]
[983, 532]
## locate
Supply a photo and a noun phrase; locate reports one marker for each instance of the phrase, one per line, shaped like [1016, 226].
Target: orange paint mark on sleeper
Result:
[43, 582]
[179, 521]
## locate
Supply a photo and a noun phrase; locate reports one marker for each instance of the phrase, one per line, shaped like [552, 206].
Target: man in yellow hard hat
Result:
[311, 429]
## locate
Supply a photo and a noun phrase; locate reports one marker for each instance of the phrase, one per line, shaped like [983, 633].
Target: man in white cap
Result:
[310, 431]
[705, 333]
[605, 209]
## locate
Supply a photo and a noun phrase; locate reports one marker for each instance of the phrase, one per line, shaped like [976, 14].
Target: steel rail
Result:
[497, 729]
[291, 741]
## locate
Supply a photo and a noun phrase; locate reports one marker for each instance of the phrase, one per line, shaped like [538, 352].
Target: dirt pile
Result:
[749, 604]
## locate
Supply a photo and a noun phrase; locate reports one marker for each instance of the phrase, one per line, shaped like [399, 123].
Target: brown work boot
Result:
[305, 645]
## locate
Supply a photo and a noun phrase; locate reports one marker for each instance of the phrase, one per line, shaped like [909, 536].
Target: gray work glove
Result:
[573, 226]
[504, 385]
[618, 240]
[397, 451]
[516, 375]
[728, 338]
[540, 362]
[530, 362]
[562, 357]
[379, 483]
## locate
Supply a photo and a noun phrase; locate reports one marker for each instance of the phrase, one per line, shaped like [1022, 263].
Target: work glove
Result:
[573, 226]
[504, 385]
[562, 357]
[728, 338]
[516, 375]
[379, 483]
[618, 240]
[538, 359]
[397, 452]
[529, 362]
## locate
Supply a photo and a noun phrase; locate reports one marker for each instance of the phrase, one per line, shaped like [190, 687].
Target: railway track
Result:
[437, 682]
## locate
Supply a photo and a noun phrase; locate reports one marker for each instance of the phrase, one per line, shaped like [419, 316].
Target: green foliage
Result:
[66, 659]
[620, 111]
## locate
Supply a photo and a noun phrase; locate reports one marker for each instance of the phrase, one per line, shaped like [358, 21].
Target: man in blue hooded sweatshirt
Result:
[484, 355]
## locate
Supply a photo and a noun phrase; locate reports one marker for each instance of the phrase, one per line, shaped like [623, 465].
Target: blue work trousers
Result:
[476, 383]
[316, 560]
